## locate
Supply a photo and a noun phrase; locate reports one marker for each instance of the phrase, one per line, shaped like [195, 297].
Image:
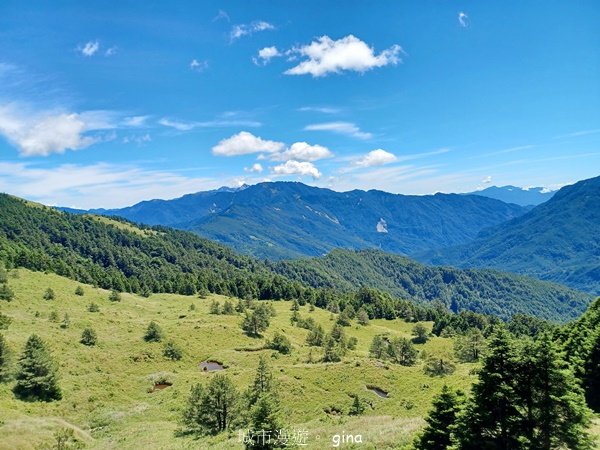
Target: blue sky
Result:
[106, 105]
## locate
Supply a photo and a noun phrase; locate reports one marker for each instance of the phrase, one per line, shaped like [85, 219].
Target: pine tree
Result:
[89, 337]
[362, 317]
[470, 346]
[560, 416]
[280, 343]
[172, 351]
[402, 351]
[153, 333]
[222, 400]
[316, 336]
[591, 376]
[263, 381]
[492, 420]
[441, 421]
[49, 294]
[215, 307]
[114, 296]
[6, 293]
[37, 374]
[195, 416]
[420, 333]
[93, 307]
[257, 321]
[358, 406]
[228, 308]
[66, 322]
[5, 360]
[79, 291]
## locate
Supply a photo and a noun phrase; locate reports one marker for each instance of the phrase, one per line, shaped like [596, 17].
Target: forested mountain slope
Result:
[556, 241]
[284, 219]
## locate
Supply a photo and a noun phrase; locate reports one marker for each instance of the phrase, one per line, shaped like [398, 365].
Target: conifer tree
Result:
[49, 294]
[6, 293]
[378, 347]
[89, 337]
[153, 333]
[79, 291]
[316, 336]
[5, 360]
[492, 420]
[362, 317]
[441, 421]
[37, 374]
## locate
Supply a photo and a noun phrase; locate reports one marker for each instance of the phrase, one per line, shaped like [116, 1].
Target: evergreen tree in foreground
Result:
[153, 333]
[37, 377]
[441, 421]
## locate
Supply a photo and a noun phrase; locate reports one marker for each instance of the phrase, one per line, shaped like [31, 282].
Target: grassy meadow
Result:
[107, 398]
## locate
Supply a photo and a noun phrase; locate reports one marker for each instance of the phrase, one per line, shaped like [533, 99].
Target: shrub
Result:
[172, 351]
[93, 307]
[49, 294]
[37, 374]
[153, 333]
[79, 291]
[280, 343]
[114, 296]
[89, 337]
[6, 293]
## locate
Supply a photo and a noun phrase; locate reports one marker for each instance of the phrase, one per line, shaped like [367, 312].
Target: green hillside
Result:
[556, 241]
[105, 388]
[114, 254]
[486, 291]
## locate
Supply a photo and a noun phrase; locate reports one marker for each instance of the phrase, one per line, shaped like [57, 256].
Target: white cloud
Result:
[265, 55]
[297, 168]
[97, 185]
[135, 121]
[256, 168]
[320, 109]
[487, 180]
[463, 19]
[111, 51]
[180, 125]
[302, 151]
[40, 134]
[245, 143]
[377, 157]
[139, 140]
[249, 29]
[89, 48]
[198, 66]
[346, 128]
[325, 56]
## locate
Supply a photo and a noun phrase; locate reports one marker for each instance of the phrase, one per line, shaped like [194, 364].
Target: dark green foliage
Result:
[228, 308]
[49, 294]
[280, 343]
[264, 409]
[65, 439]
[89, 337]
[115, 296]
[344, 318]
[153, 333]
[37, 374]
[316, 336]
[215, 307]
[5, 321]
[257, 321]
[556, 241]
[93, 307]
[358, 406]
[53, 316]
[335, 345]
[439, 366]
[526, 398]
[212, 409]
[479, 290]
[6, 293]
[3, 275]
[402, 351]
[79, 291]
[5, 360]
[352, 342]
[470, 346]
[441, 421]
[295, 306]
[362, 317]
[523, 325]
[420, 333]
[378, 347]
[172, 351]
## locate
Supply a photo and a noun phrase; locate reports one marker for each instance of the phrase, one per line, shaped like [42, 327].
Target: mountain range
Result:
[116, 254]
[558, 241]
[519, 196]
[289, 220]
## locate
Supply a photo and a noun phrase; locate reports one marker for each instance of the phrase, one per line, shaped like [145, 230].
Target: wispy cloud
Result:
[89, 48]
[346, 128]
[198, 66]
[97, 185]
[463, 19]
[239, 31]
[221, 15]
[181, 125]
[325, 56]
[578, 133]
[320, 109]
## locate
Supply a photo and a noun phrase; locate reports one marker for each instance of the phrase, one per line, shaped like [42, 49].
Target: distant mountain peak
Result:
[523, 196]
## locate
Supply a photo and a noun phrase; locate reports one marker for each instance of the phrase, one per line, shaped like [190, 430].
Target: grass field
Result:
[106, 398]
